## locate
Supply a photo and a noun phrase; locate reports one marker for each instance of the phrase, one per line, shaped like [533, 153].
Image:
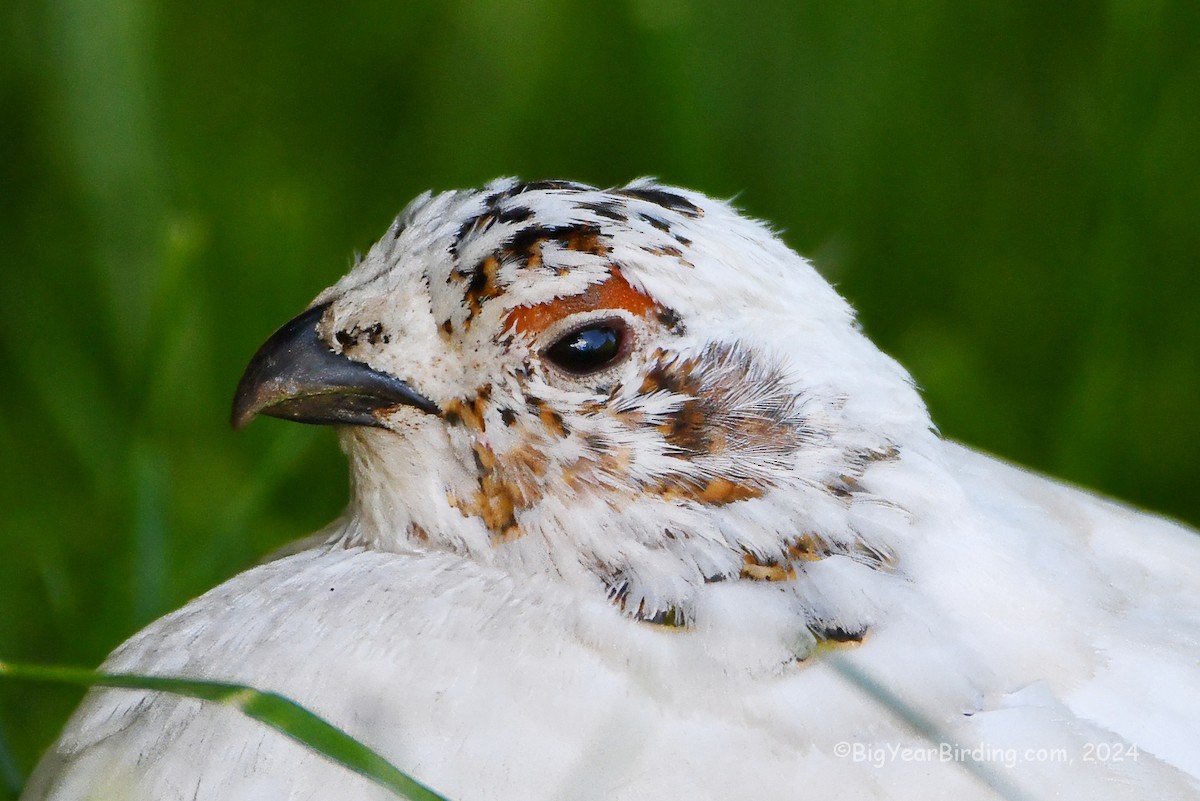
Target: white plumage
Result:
[638, 512]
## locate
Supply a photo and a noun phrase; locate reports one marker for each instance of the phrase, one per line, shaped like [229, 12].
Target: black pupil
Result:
[586, 350]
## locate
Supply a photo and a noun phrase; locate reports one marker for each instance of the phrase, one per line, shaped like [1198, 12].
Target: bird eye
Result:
[589, 349]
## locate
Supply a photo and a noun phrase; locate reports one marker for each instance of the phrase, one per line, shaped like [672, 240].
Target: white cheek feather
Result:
[739, 563]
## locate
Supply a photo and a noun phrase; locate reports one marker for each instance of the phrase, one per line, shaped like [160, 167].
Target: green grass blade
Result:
[10, 775]
[923, 726]
[276, 711]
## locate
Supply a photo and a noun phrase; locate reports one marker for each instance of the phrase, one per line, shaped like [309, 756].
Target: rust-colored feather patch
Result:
[614, 293]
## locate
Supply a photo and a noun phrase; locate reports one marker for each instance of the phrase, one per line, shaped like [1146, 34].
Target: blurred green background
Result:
[1010, 195]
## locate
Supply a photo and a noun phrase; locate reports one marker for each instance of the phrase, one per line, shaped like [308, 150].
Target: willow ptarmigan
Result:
[638, 512]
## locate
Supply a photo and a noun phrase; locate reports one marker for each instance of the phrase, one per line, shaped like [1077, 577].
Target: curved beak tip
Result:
[241, 418]
[246, 404]
[296, 376]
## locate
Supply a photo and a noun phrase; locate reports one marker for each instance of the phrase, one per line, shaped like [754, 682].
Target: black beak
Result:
[295, 376]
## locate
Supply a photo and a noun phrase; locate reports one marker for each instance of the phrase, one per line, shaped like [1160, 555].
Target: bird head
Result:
[635, 389]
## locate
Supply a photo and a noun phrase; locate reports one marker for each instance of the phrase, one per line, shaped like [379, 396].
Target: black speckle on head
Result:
[482, 287]
[524, 242]
[596, 443]
[508, 416]
[478, 281]
[373, 334]
[585, 239]
[541, 186]
[514, 214]
[665, 199]
[656, 222]
[480, 222]
[471, 226]
[525, 246]
[670, 320]
[609, 209]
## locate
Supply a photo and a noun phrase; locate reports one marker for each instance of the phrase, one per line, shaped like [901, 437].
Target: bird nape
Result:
[637, 511]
